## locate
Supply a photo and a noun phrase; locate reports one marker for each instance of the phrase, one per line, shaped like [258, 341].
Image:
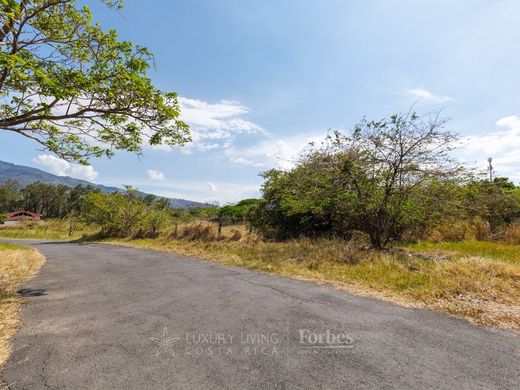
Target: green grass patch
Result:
[8, 246]
[52, 229]
[37, 234]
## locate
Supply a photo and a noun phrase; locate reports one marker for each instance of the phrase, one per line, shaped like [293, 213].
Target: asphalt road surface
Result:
[109, 317]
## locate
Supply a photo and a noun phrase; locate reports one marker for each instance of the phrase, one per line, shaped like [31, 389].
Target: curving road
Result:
[109, 317]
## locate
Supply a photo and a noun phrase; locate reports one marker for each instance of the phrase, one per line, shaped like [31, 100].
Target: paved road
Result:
[107, 317]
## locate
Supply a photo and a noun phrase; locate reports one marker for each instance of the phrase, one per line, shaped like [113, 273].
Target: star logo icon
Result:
[165, 343]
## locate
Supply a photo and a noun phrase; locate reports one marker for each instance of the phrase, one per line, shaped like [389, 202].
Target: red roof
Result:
[14, 214]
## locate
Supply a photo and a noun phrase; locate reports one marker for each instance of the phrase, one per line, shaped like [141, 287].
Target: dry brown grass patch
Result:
[17, 265]
[512, 232]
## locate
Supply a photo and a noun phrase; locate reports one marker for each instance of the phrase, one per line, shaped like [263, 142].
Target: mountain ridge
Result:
[25, 175]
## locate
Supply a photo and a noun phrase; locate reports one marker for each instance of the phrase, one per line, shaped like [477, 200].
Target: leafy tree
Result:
[197, 213]
[162, 204]
[497, 202]
[9, 196]
[73, 205]
[155, 220]
[374, 180]
[237, 213]
[234, 214]
[100, 209]
[131, 210]
[503, 182]
[47, 199]
[118, 214]
[386, 165]
[53, 201]
[76, 89]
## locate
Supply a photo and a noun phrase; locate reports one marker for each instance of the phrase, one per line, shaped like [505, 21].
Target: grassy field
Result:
[476, 280]
[52, 229]
[17, 265]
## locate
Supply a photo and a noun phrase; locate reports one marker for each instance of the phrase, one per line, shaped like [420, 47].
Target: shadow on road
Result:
[31, 292]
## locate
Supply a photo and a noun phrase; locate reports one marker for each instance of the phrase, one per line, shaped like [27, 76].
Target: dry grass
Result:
[17, 265]
[453, 230]
[512, 233]
[482, 229]
[196, 231]
[480, 282]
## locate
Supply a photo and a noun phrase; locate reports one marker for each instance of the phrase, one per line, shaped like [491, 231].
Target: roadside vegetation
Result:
[381, 211]
[17, 265]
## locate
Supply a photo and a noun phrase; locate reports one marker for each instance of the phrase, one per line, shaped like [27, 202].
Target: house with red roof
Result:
[17, 217]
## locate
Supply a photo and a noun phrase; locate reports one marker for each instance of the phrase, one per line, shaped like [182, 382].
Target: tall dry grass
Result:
[196, 231]
[482, 229]
[17, 265]
[460, 230]
[512, 232]
[206, 232]
[452, 230]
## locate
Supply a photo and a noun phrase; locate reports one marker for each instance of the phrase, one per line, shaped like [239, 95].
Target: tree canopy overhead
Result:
[75, 89]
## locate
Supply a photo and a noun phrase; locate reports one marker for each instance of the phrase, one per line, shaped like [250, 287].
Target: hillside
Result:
[25, 175]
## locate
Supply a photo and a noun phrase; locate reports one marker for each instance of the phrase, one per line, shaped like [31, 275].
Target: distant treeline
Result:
[119, 213]
[60, 201]
[53, 201]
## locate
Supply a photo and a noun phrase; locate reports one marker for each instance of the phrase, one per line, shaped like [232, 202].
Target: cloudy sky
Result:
[259, 79]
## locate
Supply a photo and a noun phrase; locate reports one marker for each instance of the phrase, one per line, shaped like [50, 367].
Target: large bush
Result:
[378, 180]
[118, 214]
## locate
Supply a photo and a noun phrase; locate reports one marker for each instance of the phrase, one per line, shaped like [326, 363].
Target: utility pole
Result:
[490, 169]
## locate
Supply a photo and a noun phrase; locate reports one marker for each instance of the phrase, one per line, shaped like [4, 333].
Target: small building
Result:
[18, 217]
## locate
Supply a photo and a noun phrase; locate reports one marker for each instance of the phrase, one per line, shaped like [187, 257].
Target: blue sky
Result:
[259, 79]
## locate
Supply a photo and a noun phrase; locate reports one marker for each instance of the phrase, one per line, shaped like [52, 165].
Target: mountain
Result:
[25, 175]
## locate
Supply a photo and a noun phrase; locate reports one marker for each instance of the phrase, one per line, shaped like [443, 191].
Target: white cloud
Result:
[502, 145]
[224, 115]
[273, 152]
[217, 126]
[61, 167]
[155, 175]
[212, 186]
[55, 165]
[85, 172]
[213, 125]
[426, 96]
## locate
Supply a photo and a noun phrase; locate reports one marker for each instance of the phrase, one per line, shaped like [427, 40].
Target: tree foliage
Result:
[125, 213]
[53, 201]
[117, 214]
[239, 212]
[76, 89]
[375, 180]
